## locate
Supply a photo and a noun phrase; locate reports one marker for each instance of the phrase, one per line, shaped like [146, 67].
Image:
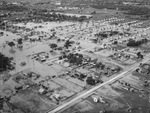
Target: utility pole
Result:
[15, 60]
[33, 59]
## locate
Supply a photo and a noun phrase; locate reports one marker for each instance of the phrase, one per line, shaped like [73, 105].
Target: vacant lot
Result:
[31, 102]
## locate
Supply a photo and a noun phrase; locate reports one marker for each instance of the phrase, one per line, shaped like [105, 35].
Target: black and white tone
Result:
[74, 56]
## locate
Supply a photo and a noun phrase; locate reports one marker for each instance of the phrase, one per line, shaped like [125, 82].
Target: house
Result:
[57, 96]
[41, 90]
[144, 68]
[97, 98]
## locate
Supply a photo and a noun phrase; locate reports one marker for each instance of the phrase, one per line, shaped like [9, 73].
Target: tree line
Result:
[133, 43]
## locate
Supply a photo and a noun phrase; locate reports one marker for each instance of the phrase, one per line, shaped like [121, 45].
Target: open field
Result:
[30, 101]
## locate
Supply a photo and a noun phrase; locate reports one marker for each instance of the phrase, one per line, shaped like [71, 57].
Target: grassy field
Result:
[141, 75]
[31, 102]
[135, 102]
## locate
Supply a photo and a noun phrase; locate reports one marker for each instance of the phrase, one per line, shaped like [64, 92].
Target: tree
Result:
[115, 42]
[11, 44]
[76, 59]
[2, 33]
[90, 81]
[98, 65]
[94, 12]
[1, 103]
[53, 46]
[20, 41]
[139, 55]
[102, 66]
[79, 61]
[5, 63]
[67, 44]
[136, 43]
[82, 76]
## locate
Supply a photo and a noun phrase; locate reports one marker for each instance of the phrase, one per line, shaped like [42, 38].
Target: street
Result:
[85, 94]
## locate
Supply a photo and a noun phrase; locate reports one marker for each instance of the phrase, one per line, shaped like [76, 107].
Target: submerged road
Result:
[83, 95]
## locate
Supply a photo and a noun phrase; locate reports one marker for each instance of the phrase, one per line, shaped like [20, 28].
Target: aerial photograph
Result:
[74, 56]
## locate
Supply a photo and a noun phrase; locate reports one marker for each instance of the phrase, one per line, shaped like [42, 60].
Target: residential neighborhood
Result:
[72, 59]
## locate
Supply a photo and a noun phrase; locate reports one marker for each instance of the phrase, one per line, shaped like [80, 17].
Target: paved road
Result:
[83, 95]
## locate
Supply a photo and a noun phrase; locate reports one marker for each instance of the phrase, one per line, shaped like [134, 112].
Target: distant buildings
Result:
[67, 8]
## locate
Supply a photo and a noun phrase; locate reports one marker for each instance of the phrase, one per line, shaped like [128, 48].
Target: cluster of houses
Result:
[144, 69]
[121, 56]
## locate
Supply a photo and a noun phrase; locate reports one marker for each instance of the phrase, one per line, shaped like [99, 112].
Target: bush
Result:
[136, 43]
[5, 63]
